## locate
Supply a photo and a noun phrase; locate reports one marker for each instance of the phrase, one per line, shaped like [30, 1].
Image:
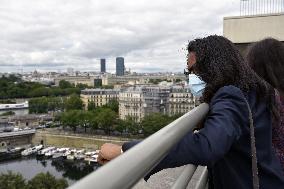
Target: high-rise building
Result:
[70, 71]
[103, 65]
[120, 66]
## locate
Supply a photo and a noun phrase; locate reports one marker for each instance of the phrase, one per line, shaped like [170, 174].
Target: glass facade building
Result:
[120, 66]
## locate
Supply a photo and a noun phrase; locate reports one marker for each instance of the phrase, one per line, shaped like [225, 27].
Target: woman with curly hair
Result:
[235, 141]
[266, 58]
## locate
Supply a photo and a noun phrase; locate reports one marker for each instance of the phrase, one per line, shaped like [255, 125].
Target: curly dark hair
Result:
[219, 63]
[266, 58]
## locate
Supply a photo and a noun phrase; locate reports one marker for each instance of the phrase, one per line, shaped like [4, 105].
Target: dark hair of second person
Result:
[266, 58]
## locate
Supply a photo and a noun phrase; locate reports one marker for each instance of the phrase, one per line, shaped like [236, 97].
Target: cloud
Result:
[56, 34]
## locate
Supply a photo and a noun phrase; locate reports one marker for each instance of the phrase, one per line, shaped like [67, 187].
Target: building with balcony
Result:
[181, 101]
[99, 96]
[139, 101]
[87, 80]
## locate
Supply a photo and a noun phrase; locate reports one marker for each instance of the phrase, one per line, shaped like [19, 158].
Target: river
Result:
[31, 166]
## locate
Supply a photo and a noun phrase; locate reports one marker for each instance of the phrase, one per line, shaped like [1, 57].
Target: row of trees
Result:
[11, 180]
[105, 118]
[14, 87]
[45, 104]
[100, 118]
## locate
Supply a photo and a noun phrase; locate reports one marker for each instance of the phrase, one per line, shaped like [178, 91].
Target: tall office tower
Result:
[70, 71]
[103, 65]
[120, 66]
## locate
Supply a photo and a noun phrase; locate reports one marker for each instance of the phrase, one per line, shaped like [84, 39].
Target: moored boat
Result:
[32, 150]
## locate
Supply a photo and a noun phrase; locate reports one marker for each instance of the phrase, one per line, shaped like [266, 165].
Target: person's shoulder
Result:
[228, 91]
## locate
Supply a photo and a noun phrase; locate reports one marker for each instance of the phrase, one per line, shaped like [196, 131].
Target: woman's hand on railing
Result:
[108, 152]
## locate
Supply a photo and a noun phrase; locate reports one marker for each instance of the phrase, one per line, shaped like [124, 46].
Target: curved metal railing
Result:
[127, 169]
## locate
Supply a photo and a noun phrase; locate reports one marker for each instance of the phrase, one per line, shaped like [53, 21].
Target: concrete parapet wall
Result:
[12, 141]
[247, 29]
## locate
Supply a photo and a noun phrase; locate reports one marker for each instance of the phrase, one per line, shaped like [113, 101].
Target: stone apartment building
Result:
[87, 80]
[139, 101]
[99, 96]
[181, 101]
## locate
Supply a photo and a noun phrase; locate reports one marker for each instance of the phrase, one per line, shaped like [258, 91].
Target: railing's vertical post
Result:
[201, 184]
[185, 177]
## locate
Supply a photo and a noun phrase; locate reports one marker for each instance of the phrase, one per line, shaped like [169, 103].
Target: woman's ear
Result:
[191, 60]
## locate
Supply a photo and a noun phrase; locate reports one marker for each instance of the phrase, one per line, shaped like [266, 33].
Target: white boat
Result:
[45, 150]
[14, 106]
[71, 156]
[50, 153]
[62, 150]
[79, 154]
[57, 155]
[90, 153]
[32, 150]
[67, 152]
[94, 158]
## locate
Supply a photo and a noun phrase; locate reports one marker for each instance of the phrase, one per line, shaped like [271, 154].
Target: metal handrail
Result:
[127, 169]
[202, 182]
[184, 177]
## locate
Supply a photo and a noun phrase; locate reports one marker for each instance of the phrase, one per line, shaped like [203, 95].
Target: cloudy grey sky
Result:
[51, 35]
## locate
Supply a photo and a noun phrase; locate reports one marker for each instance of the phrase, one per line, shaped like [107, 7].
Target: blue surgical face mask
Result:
[196, 85]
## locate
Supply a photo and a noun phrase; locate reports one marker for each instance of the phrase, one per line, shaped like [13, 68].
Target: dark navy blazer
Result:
[224, 143]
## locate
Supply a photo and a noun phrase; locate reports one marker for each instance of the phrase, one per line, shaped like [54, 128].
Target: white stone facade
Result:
[99, 96]
[137, 102]
[181, 101]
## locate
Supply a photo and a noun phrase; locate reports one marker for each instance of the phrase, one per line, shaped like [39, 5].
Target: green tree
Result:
[82, 86]
[11, 180]
[71, 119]
[121, 126]
[128, 125]
[113, 105]
[38, 105]
[91, 106]
[38, 92]
[13, 87]
[154, 122]
[47, 181]
[63, 84]
[45, 104]
[73, 103]
[85, 119]
[105, 119]
[14, 78]
[69, 91]
[7, 113]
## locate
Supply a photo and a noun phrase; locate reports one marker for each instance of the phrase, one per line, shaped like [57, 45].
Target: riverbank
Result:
[52, 137]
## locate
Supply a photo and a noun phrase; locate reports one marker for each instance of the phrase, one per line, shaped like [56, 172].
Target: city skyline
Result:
[151, 36]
